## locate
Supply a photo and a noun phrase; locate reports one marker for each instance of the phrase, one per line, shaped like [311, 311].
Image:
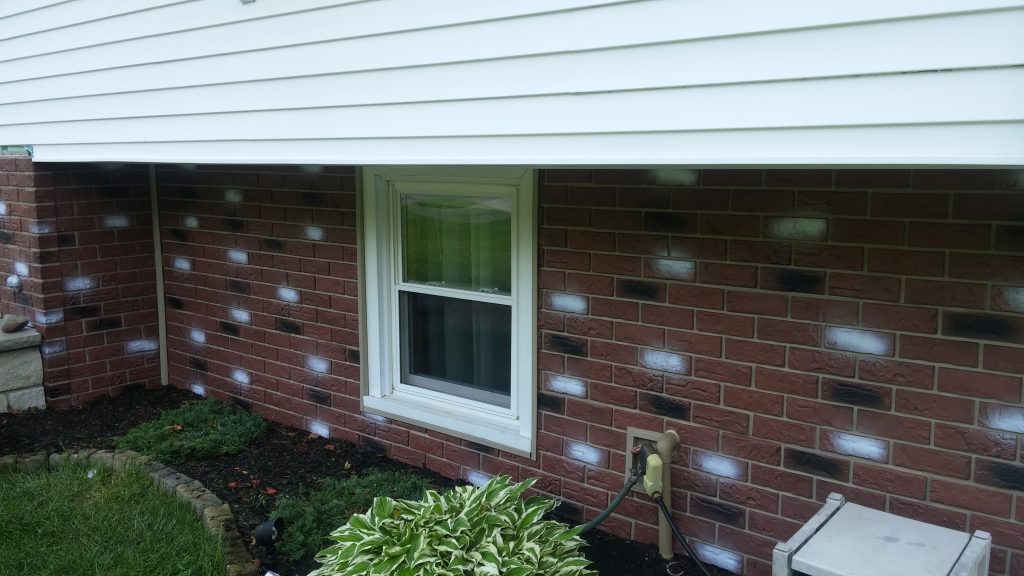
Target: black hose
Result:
[634, 477]
[679, 536]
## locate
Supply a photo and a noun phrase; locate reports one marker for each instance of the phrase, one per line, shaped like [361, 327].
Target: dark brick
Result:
[271, 245]
[67, 240]
[373, 445]
[239, 286]
[550, 403]
[289, 326]
[198, 364]
[100, 324]
[855, 393]
[717, 511]
[671, 222]
[565, 344]
[318, 397]
[794, 281]
[81, 312]
[999, 474]
[568, 512]
[5, 237]
[1010, 238]
[234, 224]
[665, 406]
[352, 354]
[816, 464]
[311, 199]
[480, 448]
[639, 290]
[179, 234]
[229, 328]
[980, 326]
[242, 403]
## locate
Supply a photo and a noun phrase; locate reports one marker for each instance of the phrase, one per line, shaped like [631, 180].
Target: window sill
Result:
[488, 429]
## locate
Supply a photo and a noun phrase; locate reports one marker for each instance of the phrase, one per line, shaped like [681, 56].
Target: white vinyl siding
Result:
[643, 82]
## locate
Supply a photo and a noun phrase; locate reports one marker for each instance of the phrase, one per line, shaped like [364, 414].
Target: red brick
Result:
[592, 284]
[638, 378]
[640, 334]
[939, 350]
[896, 373]
[754, 401]
[614, 395]
[819, 413]
[986, 267]
[784, 431]
[721, 419]
[935, 406]
[931, 460]
[583, 326]
[745, 543]
[618, 309]
[906, 262]
[944, 293]
[693, 389]
[910, 205]
[822, 362]
[900, 318]
[644, 244]
[671, 316]
[952, 519]
[890, 481]
[760, 252]
[757, 303]
[888, 232]
[948, 235]
[789, 332]
[1004, 359]
[752, 449]
[774, 527]
[564, 427]
[864, 287]
[824, 310]
[1004, 533]
[755, 352]
[896, 427]
[783, 481]
[619, 264]
[829, 256]
[698, 248]
[607, 437]
[980, 384]
[624, 419]
[566, 260]
[695, 435]
[727, 274]
[975, 441]
[966, 496]
[696, 296]
[612, 352]
[1001, 417]
[719, 371]
[729, 225]
[786, 382]
[694, 343]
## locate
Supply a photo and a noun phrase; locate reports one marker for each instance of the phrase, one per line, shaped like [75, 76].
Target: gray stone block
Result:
[26, 399]
[34, 462]
[21, 369]
[8, 463]
[80, 457]
[102, 458]
[57, 460]
[17, 340]
[170, 482]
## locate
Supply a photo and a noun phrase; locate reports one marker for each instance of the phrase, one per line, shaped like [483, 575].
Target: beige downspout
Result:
[158, 265]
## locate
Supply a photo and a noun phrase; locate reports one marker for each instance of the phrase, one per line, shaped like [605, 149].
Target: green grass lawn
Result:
[64, 522]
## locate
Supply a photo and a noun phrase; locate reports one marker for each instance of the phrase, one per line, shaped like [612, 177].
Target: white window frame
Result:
[513, 428]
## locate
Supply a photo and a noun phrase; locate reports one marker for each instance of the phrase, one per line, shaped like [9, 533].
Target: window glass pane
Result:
[457, 242]
[456, 346]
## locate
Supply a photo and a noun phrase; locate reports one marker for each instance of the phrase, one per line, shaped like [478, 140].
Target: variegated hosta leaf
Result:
[485, 531]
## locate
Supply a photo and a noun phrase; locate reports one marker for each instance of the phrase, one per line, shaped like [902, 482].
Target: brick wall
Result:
[806, 332]
[80, 236]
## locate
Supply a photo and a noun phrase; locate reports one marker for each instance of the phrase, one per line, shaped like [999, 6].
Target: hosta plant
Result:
[470, 531]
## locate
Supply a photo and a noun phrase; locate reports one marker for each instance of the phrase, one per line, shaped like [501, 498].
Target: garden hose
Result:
[634, 477]
[679, 536]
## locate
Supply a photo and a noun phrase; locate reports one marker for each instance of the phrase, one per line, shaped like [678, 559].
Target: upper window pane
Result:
[457, 242]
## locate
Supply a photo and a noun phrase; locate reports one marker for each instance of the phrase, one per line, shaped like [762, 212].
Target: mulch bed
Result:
[282, 461]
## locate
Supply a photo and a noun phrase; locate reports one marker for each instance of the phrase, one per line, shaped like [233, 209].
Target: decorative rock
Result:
[13, 323]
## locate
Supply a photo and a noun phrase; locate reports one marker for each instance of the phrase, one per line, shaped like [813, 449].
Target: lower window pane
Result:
[455, 346]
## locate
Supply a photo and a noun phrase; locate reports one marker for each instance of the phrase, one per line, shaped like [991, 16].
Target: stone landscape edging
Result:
[215, 514]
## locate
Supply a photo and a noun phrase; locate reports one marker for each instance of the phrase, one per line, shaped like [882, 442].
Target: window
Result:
[450, 307]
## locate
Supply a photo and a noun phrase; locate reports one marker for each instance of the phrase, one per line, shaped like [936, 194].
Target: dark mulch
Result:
[283, 461]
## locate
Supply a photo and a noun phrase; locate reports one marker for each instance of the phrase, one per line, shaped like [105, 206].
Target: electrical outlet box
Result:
[635, 437]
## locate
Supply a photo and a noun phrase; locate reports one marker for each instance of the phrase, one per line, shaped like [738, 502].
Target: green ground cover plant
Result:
[310, 517]
[195, 430]
[485, 531]
[79, 520]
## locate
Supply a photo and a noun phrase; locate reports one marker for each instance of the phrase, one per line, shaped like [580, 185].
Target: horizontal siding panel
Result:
[887, 47]
[338, 20]
[994, 95]
[8, 9]
[50, 16]
[967, 145]
[585, 29]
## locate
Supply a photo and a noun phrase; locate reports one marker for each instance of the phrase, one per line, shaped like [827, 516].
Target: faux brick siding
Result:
[805, 332]
[82, 237]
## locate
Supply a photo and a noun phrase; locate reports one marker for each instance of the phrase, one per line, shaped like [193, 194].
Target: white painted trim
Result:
[512, 429]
